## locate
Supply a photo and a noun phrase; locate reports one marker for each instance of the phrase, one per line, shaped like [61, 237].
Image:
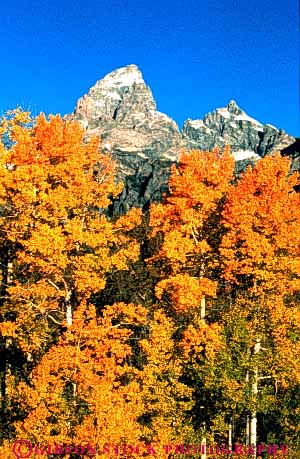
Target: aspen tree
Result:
[261, 261]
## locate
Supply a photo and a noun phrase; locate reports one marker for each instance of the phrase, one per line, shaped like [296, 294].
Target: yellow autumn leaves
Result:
[224, 273]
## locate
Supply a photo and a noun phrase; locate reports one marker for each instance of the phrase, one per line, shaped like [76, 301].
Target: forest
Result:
[173, 333]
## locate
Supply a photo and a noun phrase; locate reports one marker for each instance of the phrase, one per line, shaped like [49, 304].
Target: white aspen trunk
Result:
[203, 445]
[247, 419]
[9, 273]
[69, 314]
[253, 425]
[202, 309]
[253, 430]
[230, 435]
[69, 317]
[74, 393]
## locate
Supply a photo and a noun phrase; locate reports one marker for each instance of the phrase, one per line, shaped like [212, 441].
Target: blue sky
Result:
[196, 55]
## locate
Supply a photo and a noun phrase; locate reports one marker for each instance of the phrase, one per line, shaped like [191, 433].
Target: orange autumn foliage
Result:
[262, 219]
[54, 233]
[186, 222]
[77, 391]
[203, 340]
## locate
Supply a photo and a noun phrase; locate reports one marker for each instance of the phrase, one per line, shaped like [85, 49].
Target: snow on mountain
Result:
[241, 155]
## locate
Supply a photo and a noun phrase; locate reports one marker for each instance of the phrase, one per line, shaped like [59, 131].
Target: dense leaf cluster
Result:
[178, 326]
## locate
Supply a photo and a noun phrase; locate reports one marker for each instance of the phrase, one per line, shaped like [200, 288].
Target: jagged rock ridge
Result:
[121, 109]
[231, 125]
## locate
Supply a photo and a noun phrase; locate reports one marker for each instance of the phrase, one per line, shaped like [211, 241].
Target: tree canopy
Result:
[209, 347]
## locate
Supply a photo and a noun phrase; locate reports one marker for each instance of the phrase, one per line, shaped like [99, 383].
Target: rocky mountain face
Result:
[293, 152]
[231, 125]
[121, 109]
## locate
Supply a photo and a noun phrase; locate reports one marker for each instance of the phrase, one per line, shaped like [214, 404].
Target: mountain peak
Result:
[124, 76]
[233, 107]
[232, 103]
[121, 95]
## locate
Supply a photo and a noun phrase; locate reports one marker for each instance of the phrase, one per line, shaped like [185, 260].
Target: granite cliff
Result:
[120, 108]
